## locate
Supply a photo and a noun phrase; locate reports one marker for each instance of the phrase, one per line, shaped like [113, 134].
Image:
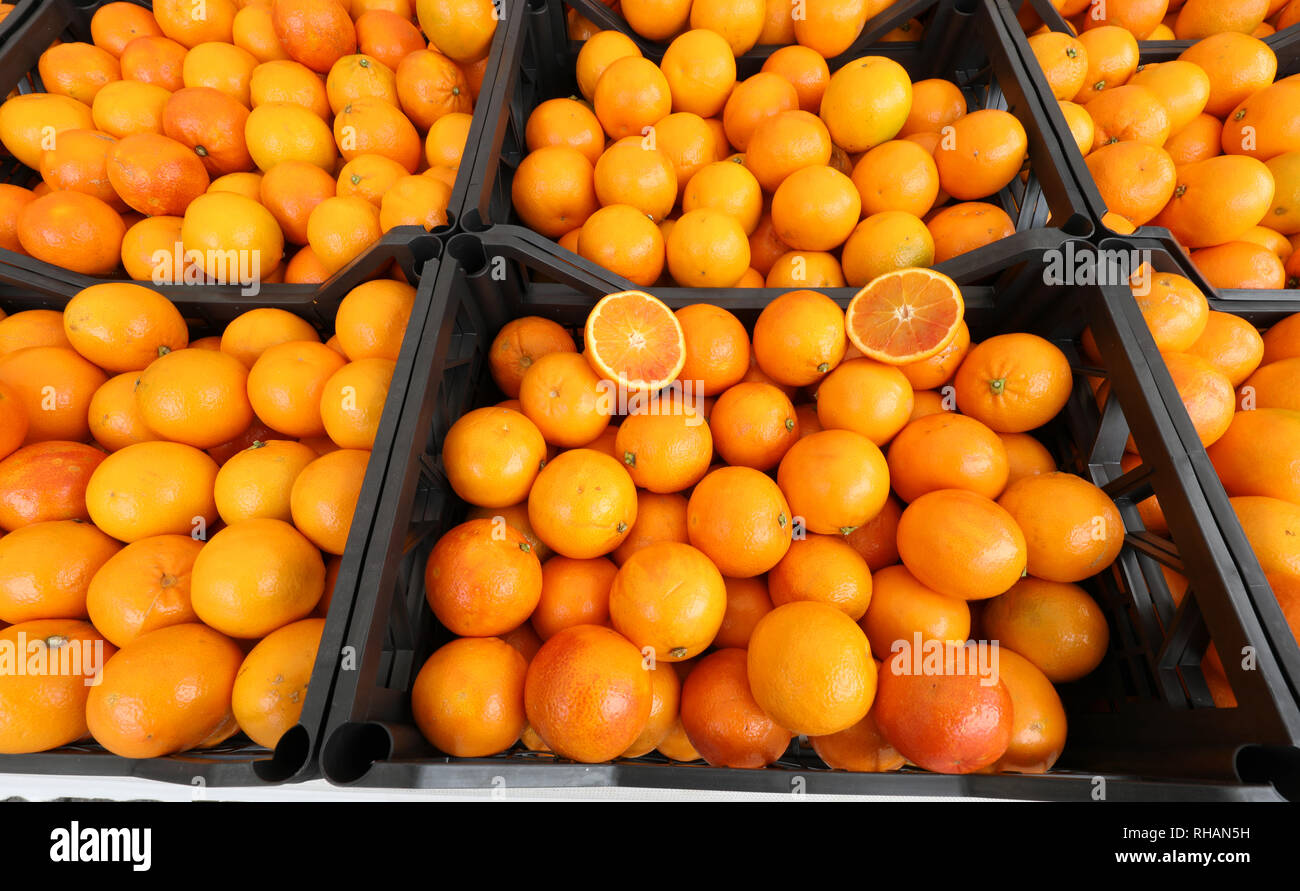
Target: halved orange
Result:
[905, 316]
[635, 340]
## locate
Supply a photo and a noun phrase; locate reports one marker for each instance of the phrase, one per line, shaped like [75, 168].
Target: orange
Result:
[1139, 17]
[1270, 387]
[689, 142]
[866, 397]
[46, 569]
[286, 382]
[717, 348]
[1013, 382]
[866, 103]
[178, 20]
[28, 123]
[1199, 213]
[73, 230]
[324, 497]
[656, 20]
[516, 516]
[1064, 61]
[1199, 140]
[196, 397]
[271, 685]
[1206, 394]
[804, 269]
[666, 448]
[125, 108]
[78, 162]
[836, 480]
[722, 718]
[415, 201]
[482, 580]
[359, 77]
[114, 25]
[468, 698]
[905, 316]
[374, 126]
[938, 369]
[747, 602]
[707, 249]
[952, 722]
[564, 122]
[983, 152]
[156, 175]
[244, 183]
[964, 227]
[815, 208]
[1182, 87]
[574, 592]
[634, 340]
[897, 175]
[169, 691]
[387, 35]
[461, 29]
[1038, 723]
[55, 386]
[251, 333]
[599, 52]
[622, 239]
[830, 28]
[754, 425]
[46, 481]
[211, 124]
[143, 587]
[1055, 625]
[903, 611]
[961, 544]
[253, 30]
[291, 190]
[14, 416]
[1072, 529]
[668, 599]
[97, 319]
[1128, 113]
[740, 519]
[1082, 128]
[1254, 456]
[629, 173]
[519, 344]
[369, 177]
[288, 82]
[218, 223]
[700, 69]
[810, 668]
[1230, 344]
[754, 100]
[220, 66]
[256, 482]
[444, 146]
[1240, 264]
[1175, 310]
[665, 691]
[886, 242]
[861, 748]
[372, 319]
[154, 60]
[799, 337]
[554, 191]
[1135, 180]
[316, 33]
[1270, 525]
[14, 198]
[353, 401]
[43, 711]
[631, 95]
[1238, 66]
[728, 187]
[1112, 54]
[588, 694]
[583, 504]
[658, 518]
[1202, 18]
[562, 395]
[1026, 456]
[339, 230]
[784, 143]
[936, 103]
[1280, 340]
[947, 451]
[429, 86]
[824, 569]
[876, 539]
[805, 69]
[739, 22]
[278, 131]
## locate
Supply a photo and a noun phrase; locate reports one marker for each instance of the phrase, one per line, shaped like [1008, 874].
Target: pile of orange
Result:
[1154, 20]
[293, 132]
[183, 504]
[690, 536]
[1207, 145]
[796, 177]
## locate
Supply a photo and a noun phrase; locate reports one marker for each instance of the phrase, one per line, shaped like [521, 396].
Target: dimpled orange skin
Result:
[42, 712]
[468, 699]
[482, 580]
[588, 693]
[740, 519]
[810, 668]
[144, 587]
[582, 490]
[721, 718]
[1072, 529]
[492, 456]
[46, 568]
[836, 480]
[1013, 382]
[167, 692]
[255, 576]
[670, 598]
[961, 544]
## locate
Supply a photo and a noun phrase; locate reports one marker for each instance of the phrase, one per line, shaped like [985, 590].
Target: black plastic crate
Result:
[968, 46]
[239, 761]
[1262, 309]
[1144, 720]
[45, 21]
[1285, 43]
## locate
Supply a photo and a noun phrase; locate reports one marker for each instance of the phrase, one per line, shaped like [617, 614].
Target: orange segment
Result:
[905, 316]
[635, 340]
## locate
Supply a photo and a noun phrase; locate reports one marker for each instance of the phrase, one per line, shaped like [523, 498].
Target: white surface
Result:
[44, 788]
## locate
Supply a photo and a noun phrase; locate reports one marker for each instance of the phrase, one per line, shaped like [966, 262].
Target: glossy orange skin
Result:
[583, 491]
[468, 699]
[46, 481]
[1055, 625]
[1256, 454]
[747, 602]
[947, 451]
[574, 592]
[823, 569]
[144, 587]
[741, 520]
[481, 581]
[961, 544]
[947, 723]
[271, 685]
[862, 748]
[197, 397]
[1013, 382]
[39, 712]
[167, 692]
[1072, 529]
[876, 539]
[316, 33]
[658, 518]
[754, 425]
[721, 718]
[492, 456]
[668, 598]
[588, 693]
[902, 607]
[1206, 394]
[836, 480]
[46, 568]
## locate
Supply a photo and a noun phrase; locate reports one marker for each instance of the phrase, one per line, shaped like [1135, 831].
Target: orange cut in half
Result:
[905, 316]
[635, 340]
